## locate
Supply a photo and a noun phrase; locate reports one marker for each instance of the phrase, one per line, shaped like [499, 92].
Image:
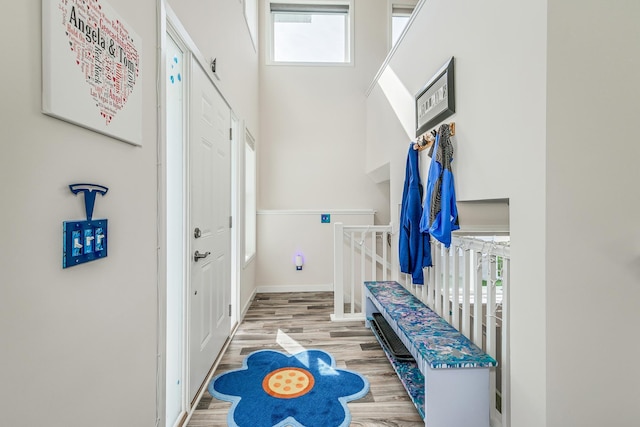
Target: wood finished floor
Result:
[296, 321]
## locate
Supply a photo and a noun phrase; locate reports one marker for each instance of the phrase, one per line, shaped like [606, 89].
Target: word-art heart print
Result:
[105, 52]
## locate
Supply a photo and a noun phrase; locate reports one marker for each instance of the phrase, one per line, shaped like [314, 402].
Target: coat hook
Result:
[426, 139]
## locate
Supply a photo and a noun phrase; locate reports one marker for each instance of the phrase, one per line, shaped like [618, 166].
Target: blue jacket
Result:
[414, 248]
[440, 214]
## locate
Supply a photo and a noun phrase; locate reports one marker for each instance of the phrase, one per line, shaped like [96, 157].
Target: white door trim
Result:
[236, 144]
[168, 21]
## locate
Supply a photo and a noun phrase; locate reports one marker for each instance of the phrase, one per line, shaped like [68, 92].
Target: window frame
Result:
[249, 241]
[394, 5]
[269, 36]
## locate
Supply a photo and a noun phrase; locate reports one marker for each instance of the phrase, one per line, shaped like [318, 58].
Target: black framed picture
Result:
[436, 101]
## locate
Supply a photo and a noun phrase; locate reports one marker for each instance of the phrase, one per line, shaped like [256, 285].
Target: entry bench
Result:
[447, 376]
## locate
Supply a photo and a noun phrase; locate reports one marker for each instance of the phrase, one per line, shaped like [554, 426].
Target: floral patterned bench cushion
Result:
[435, 340]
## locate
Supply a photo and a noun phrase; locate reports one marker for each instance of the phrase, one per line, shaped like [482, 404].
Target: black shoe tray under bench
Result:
[388, 338]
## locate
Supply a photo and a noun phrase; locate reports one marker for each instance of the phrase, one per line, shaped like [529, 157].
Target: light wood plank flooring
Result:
[296, 321]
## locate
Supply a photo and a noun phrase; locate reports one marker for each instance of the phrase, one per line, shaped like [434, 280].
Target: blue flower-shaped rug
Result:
[274, 389]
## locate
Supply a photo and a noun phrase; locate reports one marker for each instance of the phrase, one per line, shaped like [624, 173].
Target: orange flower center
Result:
[287, 383]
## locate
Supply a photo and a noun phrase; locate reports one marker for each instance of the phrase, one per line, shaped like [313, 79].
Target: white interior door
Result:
[210, 210]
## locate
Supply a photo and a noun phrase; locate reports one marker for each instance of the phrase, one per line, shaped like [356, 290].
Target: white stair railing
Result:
[468, 286]
[360, 253]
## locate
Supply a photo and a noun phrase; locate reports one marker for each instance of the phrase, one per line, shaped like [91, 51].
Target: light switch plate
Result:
[83, 241]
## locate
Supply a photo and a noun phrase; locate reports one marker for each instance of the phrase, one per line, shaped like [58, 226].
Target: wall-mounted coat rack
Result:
[428, 138]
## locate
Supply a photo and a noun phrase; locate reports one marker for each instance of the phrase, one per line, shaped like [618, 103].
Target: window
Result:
[249, 197]
[310, 33]
[400, 15]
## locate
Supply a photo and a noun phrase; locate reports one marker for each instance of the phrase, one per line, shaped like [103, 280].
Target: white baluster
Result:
[446, 282]
[477, 298]
[363, 255]
[385, 261]
[352, 239]
[466, 291]
[439, 277]
[455, 303]
[491, 326]
[506, 355]
[338, 270]
[374, 254]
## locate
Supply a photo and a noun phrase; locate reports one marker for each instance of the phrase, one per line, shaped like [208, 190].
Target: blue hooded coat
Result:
[414, 248]
[440, 214]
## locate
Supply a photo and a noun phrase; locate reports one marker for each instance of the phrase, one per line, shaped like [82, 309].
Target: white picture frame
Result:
[91, 68]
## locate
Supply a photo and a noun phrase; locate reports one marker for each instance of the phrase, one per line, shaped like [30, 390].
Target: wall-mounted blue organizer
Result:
[84, 241]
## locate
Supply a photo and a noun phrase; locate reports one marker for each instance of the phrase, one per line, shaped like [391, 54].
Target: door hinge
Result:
[229, 310]
[230, 222]
[230, 134]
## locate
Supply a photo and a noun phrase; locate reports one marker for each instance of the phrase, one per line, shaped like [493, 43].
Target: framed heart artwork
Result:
[91, 69]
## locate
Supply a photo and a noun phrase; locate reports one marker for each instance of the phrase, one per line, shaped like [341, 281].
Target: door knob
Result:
[198, 255]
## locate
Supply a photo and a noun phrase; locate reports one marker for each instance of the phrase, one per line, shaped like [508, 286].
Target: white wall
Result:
[500, 52]
[593, 234]
[312, 132]
[313, 122]
[79, 344]
[285, 234]
[219, 30]
[546, 102]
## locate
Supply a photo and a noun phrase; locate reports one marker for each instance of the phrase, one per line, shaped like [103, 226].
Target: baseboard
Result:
[295, 288]
[244, 309]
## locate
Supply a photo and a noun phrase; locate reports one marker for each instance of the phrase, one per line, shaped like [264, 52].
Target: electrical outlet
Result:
[325, 218]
